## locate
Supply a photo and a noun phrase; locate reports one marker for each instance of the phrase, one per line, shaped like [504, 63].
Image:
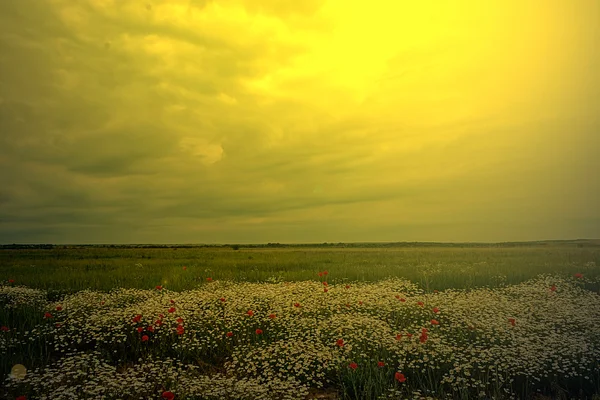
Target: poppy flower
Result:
[320, 274]
[512, 321]
[137, 318]
[145, 338]
[21, 398]
[209, 279]
[150, 328]
[168, 395]
[58, 325]
[360, 303]
[578, 275]
[4, 328]
[553, 288]
[250, 313]
[325, 290]
[380, 364]
[325, 284]
[296, 304]
[399, 336]
[47, 315]
[436, 310]
[347, 286]
[423, 337]
[11, 281]
[435, 322]
[158, 322]
[171, 310]
[140, 329]
[397, 296]
[325, 273]
[259, 331]
[58, 308]
[403, 300]
[435, 291]
[272, 316]
[158, 287]
[409, 335]
[229, 334]
[180, 329]
[347, 305]
[102, 303]
[399, 377]
[340, 342]
[161, 316]
[184, 268]
[420, 303]
[353, 365]
[222, 299]
[179, 320]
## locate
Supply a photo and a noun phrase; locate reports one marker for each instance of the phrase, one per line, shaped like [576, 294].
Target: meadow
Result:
[501, 322]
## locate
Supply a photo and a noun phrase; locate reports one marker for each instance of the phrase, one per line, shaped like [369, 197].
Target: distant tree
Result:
[235, 247]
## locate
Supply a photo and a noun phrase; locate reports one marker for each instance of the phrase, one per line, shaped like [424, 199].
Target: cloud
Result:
[203, 121]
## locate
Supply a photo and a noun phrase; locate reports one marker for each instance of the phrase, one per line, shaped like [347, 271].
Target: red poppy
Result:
[229, 334]
[423, 337]
[11, 281]
[380, 364]
[360, 302]
[423, 330]
[420, 303]
[553, 288]
[347, 305]
[222, 299]
[296, 304]
[397, 296]
[578, 275]
[320, 274]
[161, 316]
[340, 342]
[435, 291]
[158, 322]
[272, 316]
[145, 338]
[399, 336]
[403, 300]
[436, 310]
[325, 284]
[179, 320]
[259, 331]
[250, 313]
[150, 328]
[325, 273]
[180, 329]
[158, 287]
[399, 377]
[184, 268]
[137, 318]
[347, 286]
[325, 290]
[171, 310]
[4, 328]
[21, 398]
[353, 365]
[47, 315]
[512, 321]
[58, 325]
[209, 279]
[102, 303]
[168, 395]
[435, 322]
[140, 329]
[409, 335]
[58, 308]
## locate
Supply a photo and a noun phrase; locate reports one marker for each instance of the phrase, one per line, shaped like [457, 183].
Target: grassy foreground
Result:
[292, 323]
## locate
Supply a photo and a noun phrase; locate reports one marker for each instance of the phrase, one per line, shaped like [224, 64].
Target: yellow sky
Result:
[248, 121]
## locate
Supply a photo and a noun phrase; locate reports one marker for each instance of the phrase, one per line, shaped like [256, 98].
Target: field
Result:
[389, 322]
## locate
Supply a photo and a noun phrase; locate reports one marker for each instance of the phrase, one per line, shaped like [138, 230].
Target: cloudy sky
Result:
[254, 121]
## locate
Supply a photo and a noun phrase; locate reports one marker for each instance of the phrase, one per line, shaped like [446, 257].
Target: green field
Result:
[395, 321]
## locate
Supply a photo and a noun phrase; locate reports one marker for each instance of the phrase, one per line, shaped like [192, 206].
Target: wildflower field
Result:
[297, 323]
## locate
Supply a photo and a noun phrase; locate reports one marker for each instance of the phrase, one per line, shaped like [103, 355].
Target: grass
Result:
[373, 295]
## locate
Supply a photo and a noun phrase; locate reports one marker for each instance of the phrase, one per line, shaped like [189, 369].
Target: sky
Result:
[255, 121]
